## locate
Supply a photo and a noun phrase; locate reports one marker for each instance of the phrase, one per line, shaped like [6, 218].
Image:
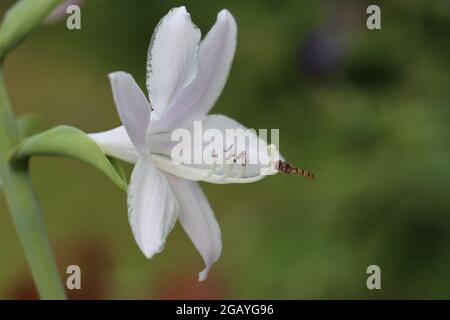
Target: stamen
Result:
[285, 167]
[212, 175]
[229, 166]
[227, 172]
[215, 169]
[241, 174]
[243, 154]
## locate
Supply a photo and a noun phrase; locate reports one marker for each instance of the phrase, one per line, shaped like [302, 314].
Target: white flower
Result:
[185, 76]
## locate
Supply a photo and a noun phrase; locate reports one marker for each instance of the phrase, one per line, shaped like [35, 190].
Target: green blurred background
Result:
[367, 111]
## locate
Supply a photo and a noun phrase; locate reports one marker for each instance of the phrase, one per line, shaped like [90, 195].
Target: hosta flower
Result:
[185, 76]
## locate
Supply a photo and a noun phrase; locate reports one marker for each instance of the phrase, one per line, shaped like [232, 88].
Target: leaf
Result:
[23, 17]
[119, 169]
[28, 124]
[66, 141]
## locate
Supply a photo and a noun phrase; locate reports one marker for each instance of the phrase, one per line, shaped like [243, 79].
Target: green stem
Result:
[19, 21]
[24, 207]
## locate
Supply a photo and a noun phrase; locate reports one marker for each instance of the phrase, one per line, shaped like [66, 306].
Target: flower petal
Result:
[215, 57]
[255, 148]
[172, 58]
[117, 144]
[198, 220]
[132, 106]
[152, 206]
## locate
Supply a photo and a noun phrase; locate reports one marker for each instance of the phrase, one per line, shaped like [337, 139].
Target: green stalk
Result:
[24, 207]
[20, 20]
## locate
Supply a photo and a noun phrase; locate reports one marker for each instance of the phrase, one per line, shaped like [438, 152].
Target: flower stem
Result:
[24, 207]
[23, 17]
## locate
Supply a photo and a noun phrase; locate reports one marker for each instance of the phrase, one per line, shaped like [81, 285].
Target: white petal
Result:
[198, 220]
[215, 57]
[172, 58]
[152, 206]
[116, 143]
[132, 106]
[198, 174]
[255, 147]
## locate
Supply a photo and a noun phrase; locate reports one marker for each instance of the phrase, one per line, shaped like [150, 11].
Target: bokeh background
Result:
[367, 111]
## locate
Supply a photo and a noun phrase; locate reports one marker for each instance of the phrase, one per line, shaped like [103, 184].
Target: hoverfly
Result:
[285, 167]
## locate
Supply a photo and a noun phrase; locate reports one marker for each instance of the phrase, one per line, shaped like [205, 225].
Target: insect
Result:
[285, 167]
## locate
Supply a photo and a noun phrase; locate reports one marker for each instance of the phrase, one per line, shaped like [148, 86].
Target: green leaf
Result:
[28, 124]
[119, 170]
[23, 17]
[66, 141]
